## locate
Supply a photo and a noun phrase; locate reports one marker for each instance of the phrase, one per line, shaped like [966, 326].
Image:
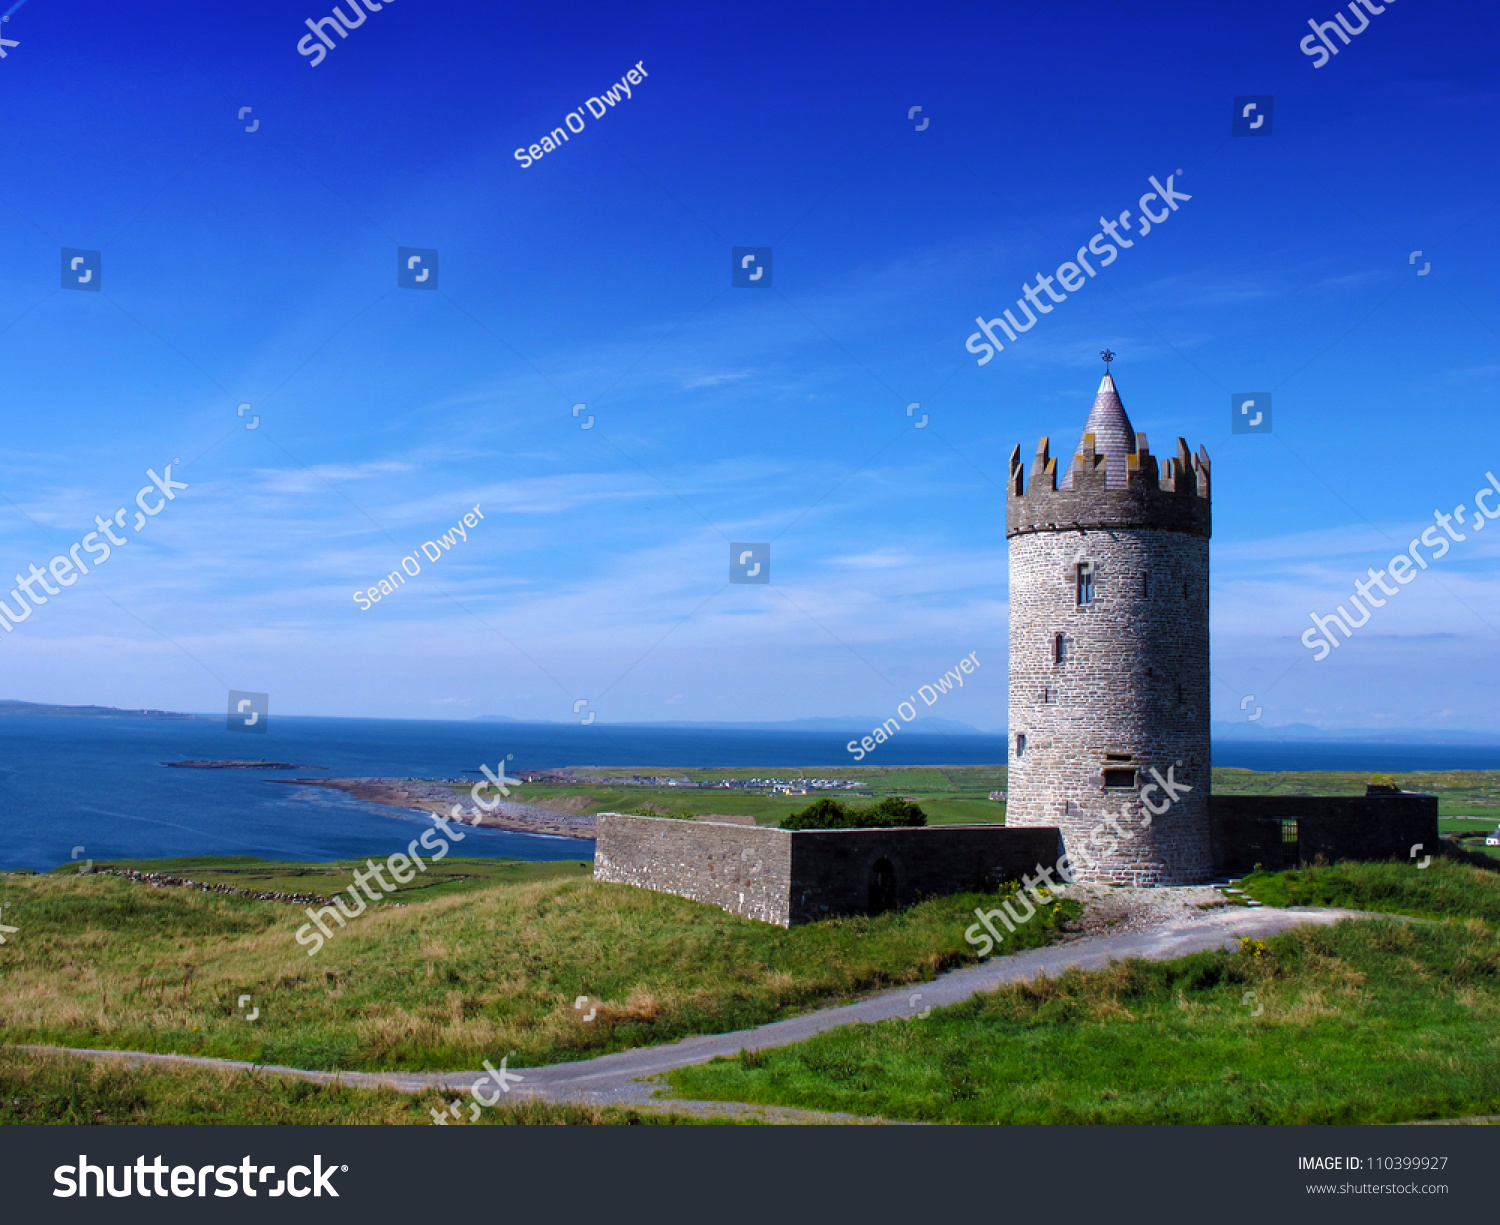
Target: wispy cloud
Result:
[320, 476]
[714, 380]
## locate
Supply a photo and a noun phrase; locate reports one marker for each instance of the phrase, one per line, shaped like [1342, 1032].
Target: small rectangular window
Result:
[1085, 582]
[1060, 649]
[1146, 584]
[1288, 831]
[1119, 778]
[1020, 745]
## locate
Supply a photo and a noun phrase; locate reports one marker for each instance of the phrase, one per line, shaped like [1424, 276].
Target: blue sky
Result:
[258, 267]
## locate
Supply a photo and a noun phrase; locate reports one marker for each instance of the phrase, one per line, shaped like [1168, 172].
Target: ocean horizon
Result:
[101, 783]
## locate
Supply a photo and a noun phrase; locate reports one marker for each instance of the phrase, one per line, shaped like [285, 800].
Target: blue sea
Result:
[99, 783]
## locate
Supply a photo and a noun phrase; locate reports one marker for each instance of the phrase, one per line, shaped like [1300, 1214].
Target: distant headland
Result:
[238, 765]
[10, 707]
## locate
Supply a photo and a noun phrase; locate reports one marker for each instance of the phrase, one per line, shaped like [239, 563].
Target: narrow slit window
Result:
[1086, 583]
[1020, 745]
[1146, 584]
[1060, 649]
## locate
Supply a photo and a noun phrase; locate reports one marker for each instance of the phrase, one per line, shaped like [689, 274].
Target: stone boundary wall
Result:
[834, 871]
[1246, 830]
[789, 877]
[743, 869]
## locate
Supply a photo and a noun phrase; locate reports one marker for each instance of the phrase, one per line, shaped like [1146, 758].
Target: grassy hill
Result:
[64, 1089]
[477, 958]
[442, 982]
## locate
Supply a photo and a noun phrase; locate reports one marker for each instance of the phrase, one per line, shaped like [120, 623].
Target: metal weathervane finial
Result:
[1108, 357]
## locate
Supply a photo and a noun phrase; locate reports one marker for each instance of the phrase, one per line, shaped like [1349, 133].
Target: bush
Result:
[825, 813]
[895, 812]
[891, 813]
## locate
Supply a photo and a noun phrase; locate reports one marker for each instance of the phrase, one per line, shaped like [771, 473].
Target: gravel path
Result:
[1118, 911]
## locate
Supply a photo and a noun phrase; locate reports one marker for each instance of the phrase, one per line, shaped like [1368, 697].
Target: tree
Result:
[893, 812]
[825, 813]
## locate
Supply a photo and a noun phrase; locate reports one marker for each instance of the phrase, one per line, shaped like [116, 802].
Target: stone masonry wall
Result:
[1247, 829]
[1134, 684]
[833, 869]
[742, 869]
[789, 877]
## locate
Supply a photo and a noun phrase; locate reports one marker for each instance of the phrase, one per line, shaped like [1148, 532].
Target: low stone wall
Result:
[742, 868]
[866, 871]
[789, 877]
[1245, 830]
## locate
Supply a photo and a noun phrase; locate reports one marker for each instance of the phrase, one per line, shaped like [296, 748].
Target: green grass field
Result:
[949, 794]
[1443, 890]
[62, 1089]
[1461, 793]
[441, 983]
[1467, 799]
[480, 957]
[439, 879]
[1365, 1022]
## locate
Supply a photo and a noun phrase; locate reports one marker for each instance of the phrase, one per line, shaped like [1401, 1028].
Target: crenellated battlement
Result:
[1173, 496]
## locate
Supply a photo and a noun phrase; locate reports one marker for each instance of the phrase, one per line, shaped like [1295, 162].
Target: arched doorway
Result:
[882, 886]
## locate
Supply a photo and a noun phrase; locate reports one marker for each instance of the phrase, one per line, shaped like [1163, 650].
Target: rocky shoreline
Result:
[439, 799]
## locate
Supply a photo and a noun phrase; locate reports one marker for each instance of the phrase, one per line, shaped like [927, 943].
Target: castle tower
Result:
[1109, 652]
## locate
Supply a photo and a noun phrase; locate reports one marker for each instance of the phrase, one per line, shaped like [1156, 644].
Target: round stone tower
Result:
[1109, 686]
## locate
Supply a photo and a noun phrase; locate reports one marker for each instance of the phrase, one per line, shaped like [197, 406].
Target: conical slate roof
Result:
[1113, 436]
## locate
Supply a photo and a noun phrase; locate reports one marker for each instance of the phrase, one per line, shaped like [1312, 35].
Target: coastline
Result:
[438, 799]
